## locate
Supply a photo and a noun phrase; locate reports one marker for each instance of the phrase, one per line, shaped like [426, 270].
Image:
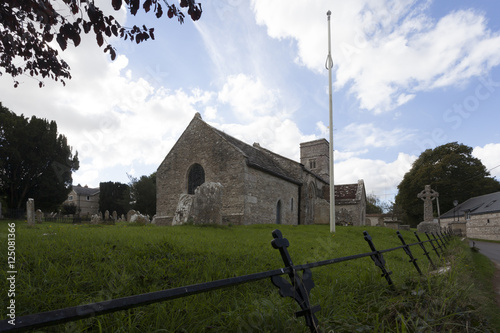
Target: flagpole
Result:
[329, 65]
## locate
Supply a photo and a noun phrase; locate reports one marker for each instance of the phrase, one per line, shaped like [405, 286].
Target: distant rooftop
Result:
[483, 204]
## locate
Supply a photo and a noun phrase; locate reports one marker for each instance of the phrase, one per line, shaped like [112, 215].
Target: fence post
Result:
[425, 250]
[408, 252]
[435, 249]
[378, 258]
[300, 287]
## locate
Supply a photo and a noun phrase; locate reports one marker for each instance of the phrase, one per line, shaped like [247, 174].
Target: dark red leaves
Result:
[147, 5]
[28, 26]
[61, 41]
[117, 4]
[134, 6]
[99, 38]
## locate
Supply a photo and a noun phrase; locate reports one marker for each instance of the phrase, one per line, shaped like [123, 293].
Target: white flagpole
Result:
[329, 65]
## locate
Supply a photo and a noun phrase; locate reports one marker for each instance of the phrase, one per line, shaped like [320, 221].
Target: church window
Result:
[88, 197]
[278, 212]
[196, 177]
[70, 198]
[312, 164]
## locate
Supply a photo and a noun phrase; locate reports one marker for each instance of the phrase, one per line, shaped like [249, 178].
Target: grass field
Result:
[62, 265]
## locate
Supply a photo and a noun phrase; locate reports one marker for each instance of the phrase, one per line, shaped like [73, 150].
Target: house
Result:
[246, 184]
[85, 199]
[477, 217]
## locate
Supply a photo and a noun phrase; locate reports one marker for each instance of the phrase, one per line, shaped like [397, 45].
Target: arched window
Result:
[278, 212]
[196, 177]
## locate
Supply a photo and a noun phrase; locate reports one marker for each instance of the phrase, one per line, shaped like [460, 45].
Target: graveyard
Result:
[77, 264]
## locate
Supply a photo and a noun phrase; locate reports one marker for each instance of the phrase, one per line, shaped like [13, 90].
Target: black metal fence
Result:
[298, 286]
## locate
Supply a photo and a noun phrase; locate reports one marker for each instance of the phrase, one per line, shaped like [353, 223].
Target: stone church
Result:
[211, 177]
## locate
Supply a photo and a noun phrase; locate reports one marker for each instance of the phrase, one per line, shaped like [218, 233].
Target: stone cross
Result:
[427, 196]
[30, 211]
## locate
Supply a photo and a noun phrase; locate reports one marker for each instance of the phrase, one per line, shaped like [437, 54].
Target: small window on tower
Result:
[312, 164]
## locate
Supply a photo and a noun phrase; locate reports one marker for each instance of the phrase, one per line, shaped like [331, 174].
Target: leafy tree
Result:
[35, 161]
[143, 193]
[114, 197]
[373, 205]
[452, 171]
[28, 27]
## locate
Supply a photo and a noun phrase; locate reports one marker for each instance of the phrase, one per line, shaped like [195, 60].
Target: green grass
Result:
[63, 265]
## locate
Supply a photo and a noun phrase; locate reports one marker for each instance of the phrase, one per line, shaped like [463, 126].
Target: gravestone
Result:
[38, 216]
[30, 211]
[207, 204]
[106, 215]
[202, 207]
[130, 213]
[428, 224]
[115, 215]
[183, 210]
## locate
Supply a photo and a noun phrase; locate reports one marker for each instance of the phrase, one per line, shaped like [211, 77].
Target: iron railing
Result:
[297, 287]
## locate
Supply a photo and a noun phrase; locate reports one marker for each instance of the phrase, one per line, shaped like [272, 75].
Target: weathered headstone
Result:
[38, 216]
[428, 224]
[183, 210]
[106, 215]
[130, 213]
[207, 204]
[115, 215]
[139, 218]
[30, 211]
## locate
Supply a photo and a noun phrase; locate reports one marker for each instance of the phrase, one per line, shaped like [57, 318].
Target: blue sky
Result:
[408, 76]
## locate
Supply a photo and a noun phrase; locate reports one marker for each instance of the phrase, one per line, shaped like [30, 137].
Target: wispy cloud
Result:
[386, 51]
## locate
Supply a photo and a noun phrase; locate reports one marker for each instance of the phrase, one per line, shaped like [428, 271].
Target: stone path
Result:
[492, 251]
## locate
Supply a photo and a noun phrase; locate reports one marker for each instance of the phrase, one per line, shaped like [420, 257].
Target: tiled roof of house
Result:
[84, 190]
[347, 191]
[482, 204]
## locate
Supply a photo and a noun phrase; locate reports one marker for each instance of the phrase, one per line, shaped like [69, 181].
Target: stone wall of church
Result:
[263, 192]
[221, 163]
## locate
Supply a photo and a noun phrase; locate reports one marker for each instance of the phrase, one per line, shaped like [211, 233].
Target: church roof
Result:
[483, 204]
[257, 158]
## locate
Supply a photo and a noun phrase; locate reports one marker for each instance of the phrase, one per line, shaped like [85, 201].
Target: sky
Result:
[407, 76]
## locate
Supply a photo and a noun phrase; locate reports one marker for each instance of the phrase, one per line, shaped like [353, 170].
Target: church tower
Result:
[314, 156]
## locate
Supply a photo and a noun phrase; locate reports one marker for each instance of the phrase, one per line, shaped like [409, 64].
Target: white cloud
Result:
[248, 97]
[357, 136]
[381, 178]
[385, 51]
[490, 156]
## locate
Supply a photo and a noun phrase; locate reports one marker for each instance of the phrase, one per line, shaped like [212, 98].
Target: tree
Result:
[114, 197]
[27, 27]
[143, 193]
[373, 205]
[452, 171]
[35, 161]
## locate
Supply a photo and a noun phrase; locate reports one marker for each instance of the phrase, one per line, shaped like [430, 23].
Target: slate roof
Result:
[484, 204]
[82, 190]
[258, 159]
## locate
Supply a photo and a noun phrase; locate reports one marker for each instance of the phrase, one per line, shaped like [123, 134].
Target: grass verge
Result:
[62, 265]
